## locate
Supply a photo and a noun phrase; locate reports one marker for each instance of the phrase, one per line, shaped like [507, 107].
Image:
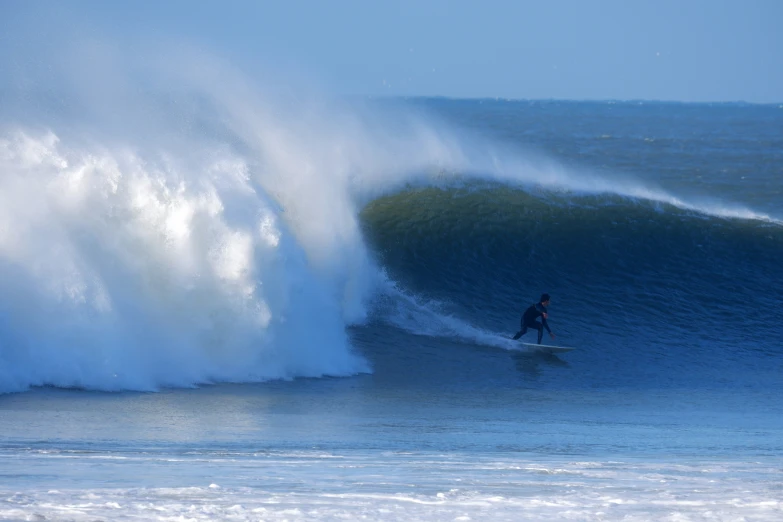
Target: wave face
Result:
[655, 271]
[211, 232]
[652, 295]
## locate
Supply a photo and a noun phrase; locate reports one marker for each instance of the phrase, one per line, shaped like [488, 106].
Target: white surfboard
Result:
[546, 348]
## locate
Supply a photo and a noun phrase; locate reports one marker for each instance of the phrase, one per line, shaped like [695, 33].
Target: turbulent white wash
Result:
[123, 271]
[402, 486]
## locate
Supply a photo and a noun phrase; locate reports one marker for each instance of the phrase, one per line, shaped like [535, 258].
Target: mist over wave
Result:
[191, 227]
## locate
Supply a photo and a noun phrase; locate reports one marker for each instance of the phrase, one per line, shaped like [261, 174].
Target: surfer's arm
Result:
[544, 322]
[543, 312]
[546, 325]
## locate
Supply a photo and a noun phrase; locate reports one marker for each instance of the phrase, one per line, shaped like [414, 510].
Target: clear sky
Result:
[685, 50]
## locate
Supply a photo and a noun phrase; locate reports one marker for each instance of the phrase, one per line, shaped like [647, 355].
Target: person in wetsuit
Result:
[529, 319]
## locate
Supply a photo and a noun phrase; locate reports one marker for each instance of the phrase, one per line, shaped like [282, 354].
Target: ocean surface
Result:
[223, 304]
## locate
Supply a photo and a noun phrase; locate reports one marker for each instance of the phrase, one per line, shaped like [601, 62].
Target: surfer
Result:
[529, 319]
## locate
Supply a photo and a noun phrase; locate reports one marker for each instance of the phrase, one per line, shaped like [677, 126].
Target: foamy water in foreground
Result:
[318, 485]
[355, 448]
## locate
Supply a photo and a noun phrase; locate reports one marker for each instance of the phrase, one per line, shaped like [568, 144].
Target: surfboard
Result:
[546, 348]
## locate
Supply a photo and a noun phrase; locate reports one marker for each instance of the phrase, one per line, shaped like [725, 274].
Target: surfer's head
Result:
[545, 299]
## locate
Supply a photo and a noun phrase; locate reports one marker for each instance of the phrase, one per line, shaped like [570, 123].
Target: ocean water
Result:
[225, 304]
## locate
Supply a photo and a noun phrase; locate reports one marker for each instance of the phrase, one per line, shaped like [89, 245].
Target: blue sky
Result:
[687, 50]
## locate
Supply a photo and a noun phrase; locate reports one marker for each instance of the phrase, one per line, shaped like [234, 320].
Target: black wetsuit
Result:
[529, 321]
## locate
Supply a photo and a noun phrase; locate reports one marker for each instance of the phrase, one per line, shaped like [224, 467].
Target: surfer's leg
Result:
[520, 333]
[540, 331]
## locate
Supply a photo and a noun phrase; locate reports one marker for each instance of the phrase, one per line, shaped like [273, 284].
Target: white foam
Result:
[428, 318]
[119, 272]
[409, 486]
